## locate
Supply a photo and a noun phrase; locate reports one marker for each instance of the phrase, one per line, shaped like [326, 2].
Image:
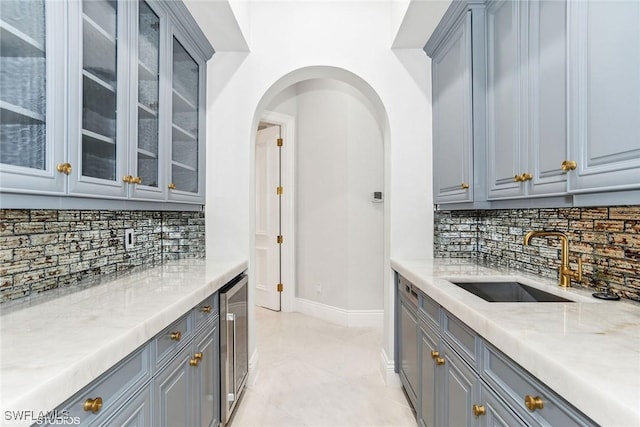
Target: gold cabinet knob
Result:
[439, 360]
[533, 403]
[172, 186]
[464, 185]
[175, 335]
[127, 179]
[569, 165]
[196, 359]
[518, 178]
[92, 405]
[136, 180]
[205, 309]
[64, 168]
[526, 176]
[435, 354]
[478, 410]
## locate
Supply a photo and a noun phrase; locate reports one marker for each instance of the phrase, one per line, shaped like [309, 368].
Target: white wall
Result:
[339, 234]
[349, 40]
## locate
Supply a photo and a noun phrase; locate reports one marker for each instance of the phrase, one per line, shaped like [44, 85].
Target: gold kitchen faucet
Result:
[566, 273]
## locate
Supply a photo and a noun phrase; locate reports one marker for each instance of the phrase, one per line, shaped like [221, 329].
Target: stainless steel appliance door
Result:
[234, 346]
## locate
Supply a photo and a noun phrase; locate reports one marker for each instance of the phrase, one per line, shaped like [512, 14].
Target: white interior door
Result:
[268, 267]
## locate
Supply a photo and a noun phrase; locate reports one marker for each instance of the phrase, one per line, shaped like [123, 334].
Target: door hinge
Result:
[279, 191]
[279, 239]
[279, 142]
[280, 287]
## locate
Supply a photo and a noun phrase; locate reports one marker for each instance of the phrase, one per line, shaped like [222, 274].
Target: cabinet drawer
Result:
[172, 338]
[462, 339]
[206, 310]
[115, 386]
[429, 310]
[514, 384]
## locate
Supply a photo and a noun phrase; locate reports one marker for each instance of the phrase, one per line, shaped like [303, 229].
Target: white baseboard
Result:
[387, 367]
[252, 375]
[340, 316]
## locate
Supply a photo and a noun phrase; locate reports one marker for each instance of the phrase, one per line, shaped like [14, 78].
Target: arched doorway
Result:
[308, 82]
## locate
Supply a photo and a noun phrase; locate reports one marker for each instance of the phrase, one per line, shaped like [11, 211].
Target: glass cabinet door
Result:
[99, 88]
[27, 82]
[184, 123]
[23, 84]
[147, 151]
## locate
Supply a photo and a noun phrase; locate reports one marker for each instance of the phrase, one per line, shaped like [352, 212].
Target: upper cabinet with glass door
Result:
[98, 122]
[134, 87]
[147, 177]
[187, 107]
[31, 97]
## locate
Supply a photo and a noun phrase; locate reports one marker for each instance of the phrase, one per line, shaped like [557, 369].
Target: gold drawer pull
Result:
[527, 176]
[569, 165]
[518, 178]
[205, 309]
[478, 410]
[92, 405]
[127, 178]
[175, 335]
[172, 186]
[464, 185]
[439, 360]
[435, 355]
[199, 355]
[533, 403]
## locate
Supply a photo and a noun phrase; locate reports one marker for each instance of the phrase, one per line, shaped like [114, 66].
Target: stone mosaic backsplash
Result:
[42, 250]
[607, 239]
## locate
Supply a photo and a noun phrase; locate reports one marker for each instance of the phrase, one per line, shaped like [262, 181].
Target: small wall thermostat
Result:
[376, 197]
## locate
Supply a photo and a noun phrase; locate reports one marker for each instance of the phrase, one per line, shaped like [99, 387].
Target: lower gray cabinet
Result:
[454, 377]
[135, 413]
[172, 392]
[172, 380]
[407, 340]
[186, 390]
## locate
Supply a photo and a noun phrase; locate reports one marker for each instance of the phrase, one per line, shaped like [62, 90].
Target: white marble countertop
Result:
[49, 350]
[587, 351]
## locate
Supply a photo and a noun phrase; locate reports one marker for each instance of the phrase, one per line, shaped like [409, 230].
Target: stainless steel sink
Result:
[508, 292]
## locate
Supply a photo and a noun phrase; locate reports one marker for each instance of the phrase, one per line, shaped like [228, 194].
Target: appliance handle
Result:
[231, 317]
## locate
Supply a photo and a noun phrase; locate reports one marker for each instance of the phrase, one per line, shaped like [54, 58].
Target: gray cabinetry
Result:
[408, 339]
[173, 380]
[457, 67]
[464, 381]
[32, 92]
[186, 390]
[605, 95]
[452, 116]
[134, 85]
[526, 98]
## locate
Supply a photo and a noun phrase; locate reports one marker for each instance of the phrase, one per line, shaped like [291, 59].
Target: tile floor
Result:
[314, 373]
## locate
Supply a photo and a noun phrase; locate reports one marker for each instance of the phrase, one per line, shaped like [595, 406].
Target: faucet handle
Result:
[577, 274]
